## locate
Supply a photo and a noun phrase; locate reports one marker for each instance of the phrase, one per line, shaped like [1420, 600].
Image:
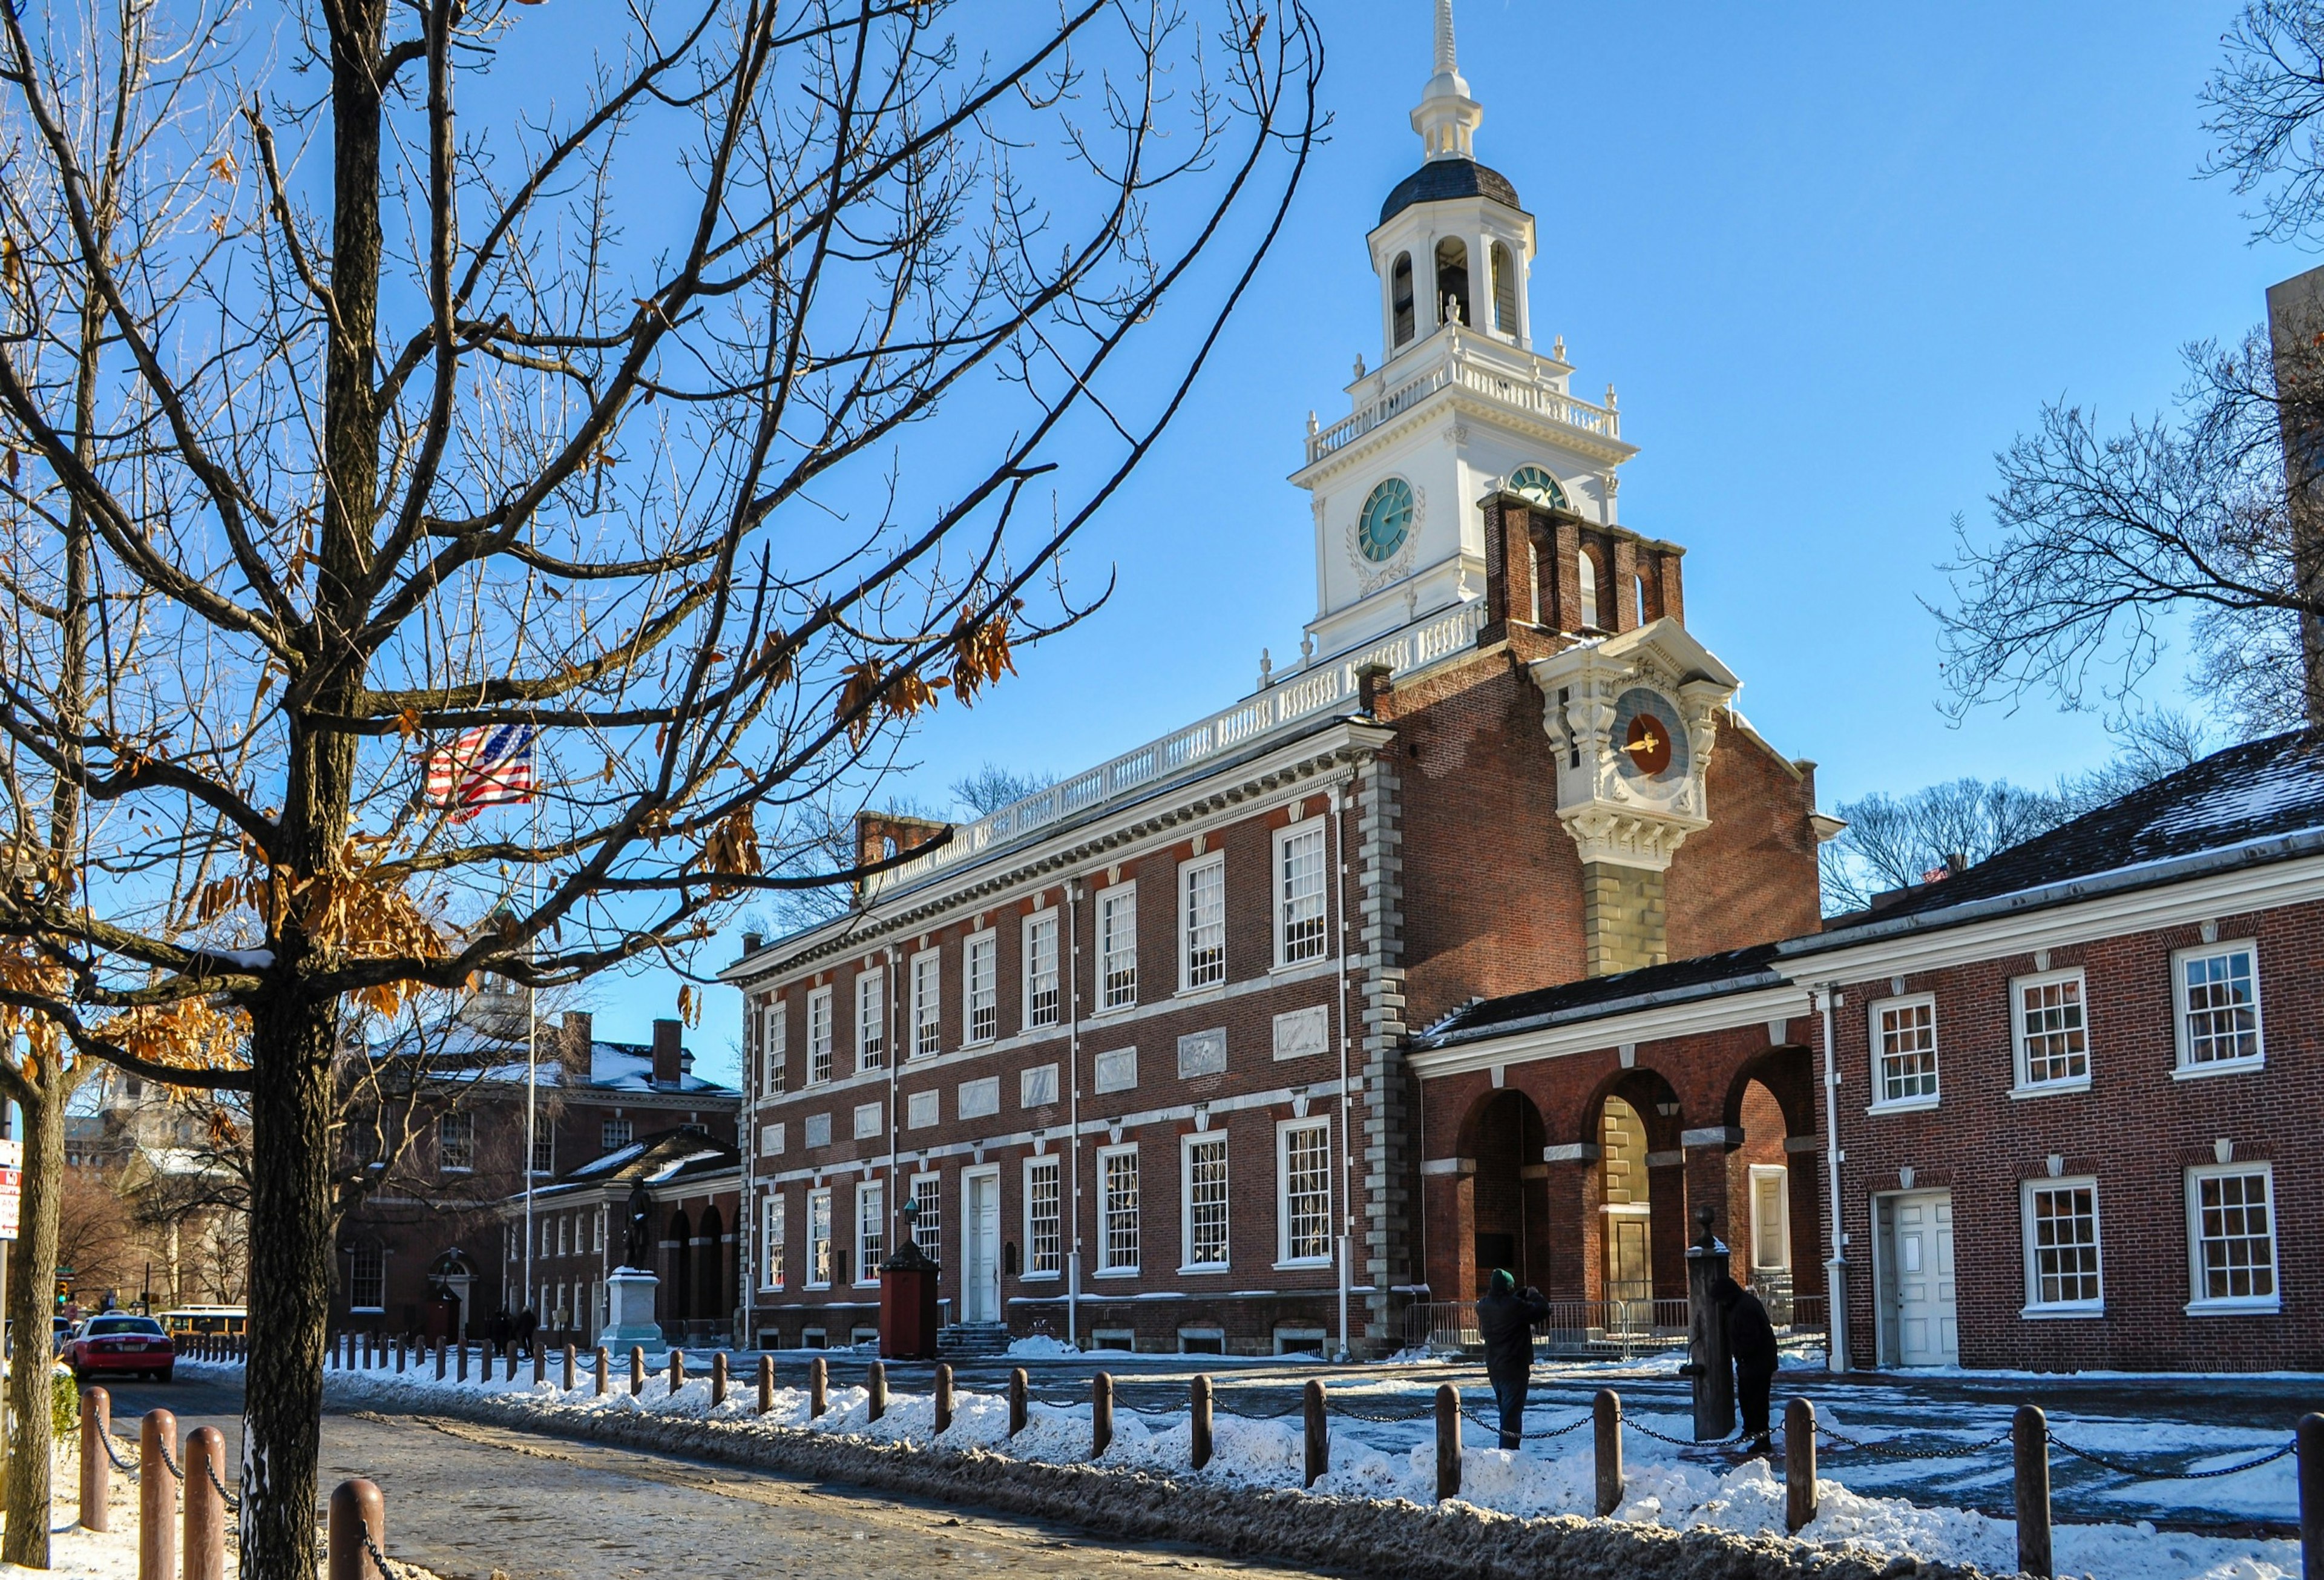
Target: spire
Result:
[1447, 117]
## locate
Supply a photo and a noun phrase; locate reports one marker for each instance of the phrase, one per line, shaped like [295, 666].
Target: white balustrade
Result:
[1528, 395]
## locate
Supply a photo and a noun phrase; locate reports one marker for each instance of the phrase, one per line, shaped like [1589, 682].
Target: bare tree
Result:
[992, 787]
[546, 429]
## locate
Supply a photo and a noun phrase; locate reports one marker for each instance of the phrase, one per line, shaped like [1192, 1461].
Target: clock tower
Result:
[1460, 406]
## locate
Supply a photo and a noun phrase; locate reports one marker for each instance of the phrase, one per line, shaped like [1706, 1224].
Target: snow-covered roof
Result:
[469, 1052]
[686, 1156]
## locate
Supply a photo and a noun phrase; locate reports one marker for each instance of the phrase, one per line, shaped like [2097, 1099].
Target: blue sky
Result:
[1833, 257]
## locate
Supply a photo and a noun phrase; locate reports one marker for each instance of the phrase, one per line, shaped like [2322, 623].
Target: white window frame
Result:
[1191, 923]
[971, 999]
[871, 1230]
[1279, 897]
[1284, 1130]
[774, 1045]
[605, 1130]
[771, 1215]
[1033, 981]
[1874, 1016]
[2187, 1068]
[819, 1054]
[377, 1248]
[467, 1123]
[1051, 1164]
[927, 1228]
[927, 1003]
[2201, 1304]
[2036, 1306]
[1108, 1265]
[819, 1247]
[1189, 1144]
[2027, 1085]
[870, 1018]
[1116, 916]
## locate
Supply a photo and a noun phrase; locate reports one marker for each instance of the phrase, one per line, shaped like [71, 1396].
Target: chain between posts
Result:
[161, 1442]
[113, 1453]
[233, 1503]
[387, 1570]
[1968, 1451]
[2146, 1474]
[1495, 1427]
[1633, 1424]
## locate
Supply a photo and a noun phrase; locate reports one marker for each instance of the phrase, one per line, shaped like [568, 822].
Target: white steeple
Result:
[1447, 117]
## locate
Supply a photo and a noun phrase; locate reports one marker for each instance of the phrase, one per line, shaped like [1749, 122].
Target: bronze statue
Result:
[639, 1252]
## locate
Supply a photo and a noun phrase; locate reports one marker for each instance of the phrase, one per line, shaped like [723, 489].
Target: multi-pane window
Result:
[2053, 1037]
[1117, 1209]
[1203, 922]
[1117, 947]
[980, 990]
[613, 1134]
[775, 1046]
[1904, 1051]
[2231, 1223]
[1307, 1186]
[928, 1002]
[871, 1230]
[2218, 1006]
[871, 1020]
[818, 1037]
[1205, 1192]
[2062, 1243]
[1041, 969]
[456, 1143]
[927, 1227]
[544, 1148]
[770, 1241]
[597, 1230]
[367, 1276]
[819, 1238]
[1300, 932]
[1044, 1222]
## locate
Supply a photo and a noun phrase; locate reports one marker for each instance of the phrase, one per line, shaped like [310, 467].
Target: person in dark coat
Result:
[1751, 1344]
[528, 1322]
[1505, 1320]
[499, 1331]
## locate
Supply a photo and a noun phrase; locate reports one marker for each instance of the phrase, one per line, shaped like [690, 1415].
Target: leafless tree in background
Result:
[484, 367]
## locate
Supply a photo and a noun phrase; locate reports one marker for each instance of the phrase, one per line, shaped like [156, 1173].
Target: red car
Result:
[114, 1342]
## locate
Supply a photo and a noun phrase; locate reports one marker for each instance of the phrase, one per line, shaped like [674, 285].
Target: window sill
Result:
[366, 1311]
[2226, 1066]
[1217, 1267]
[1303, 1261]
[1907, 1105]
[1209, 990]
[1115, 1272]
[812, 1289]
[2267, 1307]
[2051, 1088]
[1296, 967]
[2056, 1313]
[1111, 1013]
[1047, 1277]
[1035, 1027]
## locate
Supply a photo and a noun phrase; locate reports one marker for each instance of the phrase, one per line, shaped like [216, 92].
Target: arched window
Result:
[1504, 288]
[1640, 582]
[1588, 569]
[1400, 296]
[1452, 281]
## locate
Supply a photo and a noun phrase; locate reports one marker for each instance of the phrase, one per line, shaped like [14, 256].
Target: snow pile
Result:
[1393, 1463]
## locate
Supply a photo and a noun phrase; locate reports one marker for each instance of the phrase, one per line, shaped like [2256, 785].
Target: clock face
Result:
[1386, 521]
[1649, 745]
[1537, 485]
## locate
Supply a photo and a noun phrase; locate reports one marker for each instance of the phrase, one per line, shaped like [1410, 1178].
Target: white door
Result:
[981, 1259]
[1927, 1333]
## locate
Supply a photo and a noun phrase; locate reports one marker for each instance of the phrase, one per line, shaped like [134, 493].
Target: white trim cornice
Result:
[1660, 1023]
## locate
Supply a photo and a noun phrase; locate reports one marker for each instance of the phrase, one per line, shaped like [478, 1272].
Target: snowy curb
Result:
[1453, 1541]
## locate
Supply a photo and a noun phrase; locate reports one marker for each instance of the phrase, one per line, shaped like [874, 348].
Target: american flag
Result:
[490, 765]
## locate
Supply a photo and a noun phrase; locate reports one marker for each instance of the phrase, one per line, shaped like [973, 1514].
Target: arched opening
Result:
[1509, 1218]
[1452, 281]
[450, 1278]
[1400, 298]
[1588, 568]
[711, 1301]
[1764, 1259]
[1639, 586]
[679, 1282]
[1772, 1222]
[1504, 288]
[1627, 1202]
[1637, 1229]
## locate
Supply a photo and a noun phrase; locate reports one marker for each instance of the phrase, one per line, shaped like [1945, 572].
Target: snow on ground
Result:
[88, 1555]
[1667, 1486]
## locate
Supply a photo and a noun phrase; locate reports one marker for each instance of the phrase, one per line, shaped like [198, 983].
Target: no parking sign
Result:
[11, 1186]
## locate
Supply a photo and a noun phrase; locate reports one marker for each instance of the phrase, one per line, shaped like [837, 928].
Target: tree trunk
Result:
[31, 1271]
[293, 1038]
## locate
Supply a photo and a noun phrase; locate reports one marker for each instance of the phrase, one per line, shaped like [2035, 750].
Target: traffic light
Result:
[64, 1292]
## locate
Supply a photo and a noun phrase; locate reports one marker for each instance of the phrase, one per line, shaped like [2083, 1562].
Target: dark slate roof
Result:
[2232, 806]
[1440, 179]
[1702, 977]
[670, 1156]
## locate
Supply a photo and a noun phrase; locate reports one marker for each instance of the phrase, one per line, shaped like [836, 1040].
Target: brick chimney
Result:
[669, 1054]
[578, 1031]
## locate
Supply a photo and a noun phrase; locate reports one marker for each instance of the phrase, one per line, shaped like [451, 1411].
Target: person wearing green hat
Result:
[1505, 1319]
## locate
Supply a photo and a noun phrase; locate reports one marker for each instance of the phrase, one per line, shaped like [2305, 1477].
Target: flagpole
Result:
[531, 1042]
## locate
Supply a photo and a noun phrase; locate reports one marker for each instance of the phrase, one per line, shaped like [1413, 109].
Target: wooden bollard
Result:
[1100, 1414]
[402, 1350]
[637, 1370]
[717, 1379]
[818, 1388]
[1198, 1422]
[439, 1360]
[1016, 1385]
[205, 1508]
[1448, 1442]
[464, 1360]
[766, 1383]
[1318, 1434]
[357, 1509]
[96, 1469]
[676, 1372]
[570, 1360]
[604, 1363]
[875, 1391]
[1605, 1419]
[944, 1399]
[2309, 1439]
[157, 1497]
[2029, 1440]
[1799, 1465]
[540, 1363]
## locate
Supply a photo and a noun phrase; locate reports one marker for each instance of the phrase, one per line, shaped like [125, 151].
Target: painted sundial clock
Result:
[1649, 741]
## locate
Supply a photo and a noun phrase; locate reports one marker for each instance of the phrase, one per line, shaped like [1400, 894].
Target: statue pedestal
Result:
[630, 1310]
